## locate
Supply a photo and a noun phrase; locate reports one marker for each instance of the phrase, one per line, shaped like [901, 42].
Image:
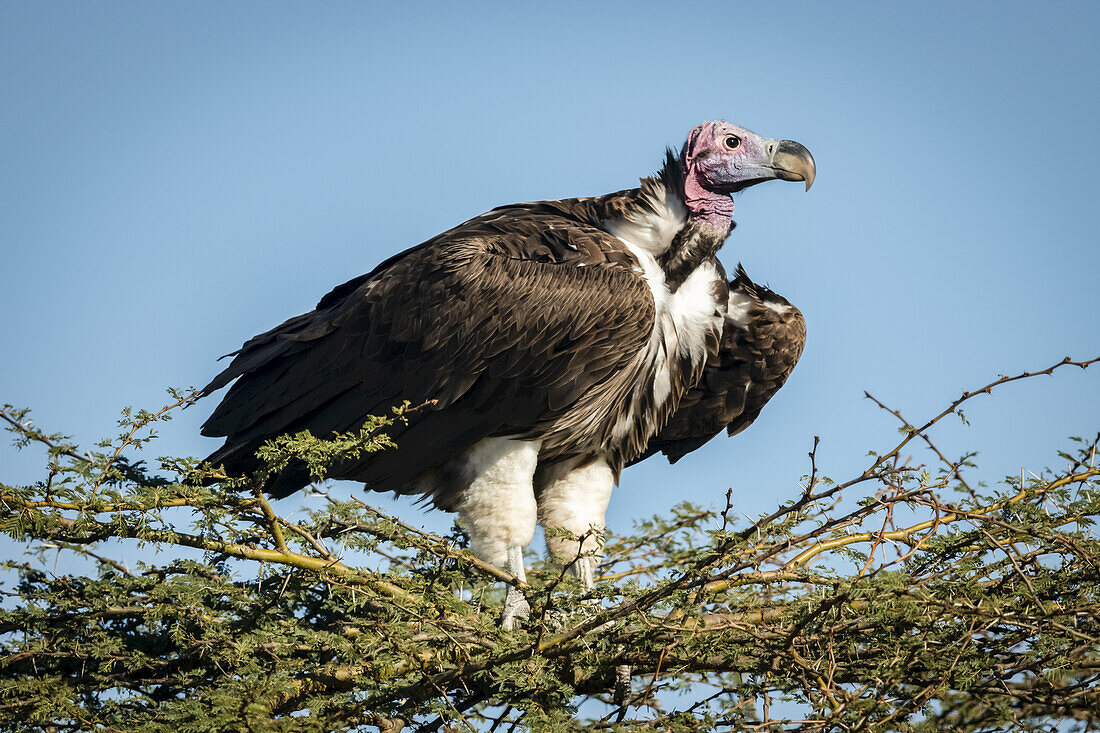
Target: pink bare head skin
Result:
[719, 158]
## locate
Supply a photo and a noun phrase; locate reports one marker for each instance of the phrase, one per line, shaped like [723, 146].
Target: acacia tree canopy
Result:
[931, 603]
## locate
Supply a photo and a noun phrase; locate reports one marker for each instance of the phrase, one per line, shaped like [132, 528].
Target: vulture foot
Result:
[515, 604]
[584, 570]
[515, 608]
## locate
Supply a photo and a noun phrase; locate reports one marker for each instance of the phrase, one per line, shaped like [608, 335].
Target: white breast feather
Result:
[651, 231]
[683, 319]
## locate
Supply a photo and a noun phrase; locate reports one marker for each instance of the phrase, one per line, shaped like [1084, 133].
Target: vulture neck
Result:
[696, 242]
[703, 222]
[658, 225]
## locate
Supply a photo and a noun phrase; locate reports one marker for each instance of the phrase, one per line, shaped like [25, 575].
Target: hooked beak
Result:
[783, 160]
[791, 161]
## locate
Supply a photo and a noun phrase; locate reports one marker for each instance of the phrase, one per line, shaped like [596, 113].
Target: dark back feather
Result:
[501, 324]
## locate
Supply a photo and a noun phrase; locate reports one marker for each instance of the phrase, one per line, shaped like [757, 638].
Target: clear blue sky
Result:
[177, 178]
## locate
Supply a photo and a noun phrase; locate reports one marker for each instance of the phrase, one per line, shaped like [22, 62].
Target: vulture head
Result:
[719, 159]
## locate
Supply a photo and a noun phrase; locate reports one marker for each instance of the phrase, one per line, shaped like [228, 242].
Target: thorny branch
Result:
[979, 613]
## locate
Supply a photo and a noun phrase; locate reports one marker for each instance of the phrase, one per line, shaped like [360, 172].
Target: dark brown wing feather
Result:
[499, 323]
[759, 348]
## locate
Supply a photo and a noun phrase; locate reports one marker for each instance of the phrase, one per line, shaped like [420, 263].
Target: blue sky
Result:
[177, 178]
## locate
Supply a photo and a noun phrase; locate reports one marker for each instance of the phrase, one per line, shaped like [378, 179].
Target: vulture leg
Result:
[515, 605]
[574, 498]
[498, 509]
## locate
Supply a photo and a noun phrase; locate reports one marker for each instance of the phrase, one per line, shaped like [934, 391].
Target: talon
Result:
[515, 608]
[515, 604]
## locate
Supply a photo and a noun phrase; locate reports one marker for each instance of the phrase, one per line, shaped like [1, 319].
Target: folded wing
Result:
[494, 326]
[762, 340]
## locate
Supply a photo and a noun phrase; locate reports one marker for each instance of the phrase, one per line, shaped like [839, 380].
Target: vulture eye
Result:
[733, 142]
